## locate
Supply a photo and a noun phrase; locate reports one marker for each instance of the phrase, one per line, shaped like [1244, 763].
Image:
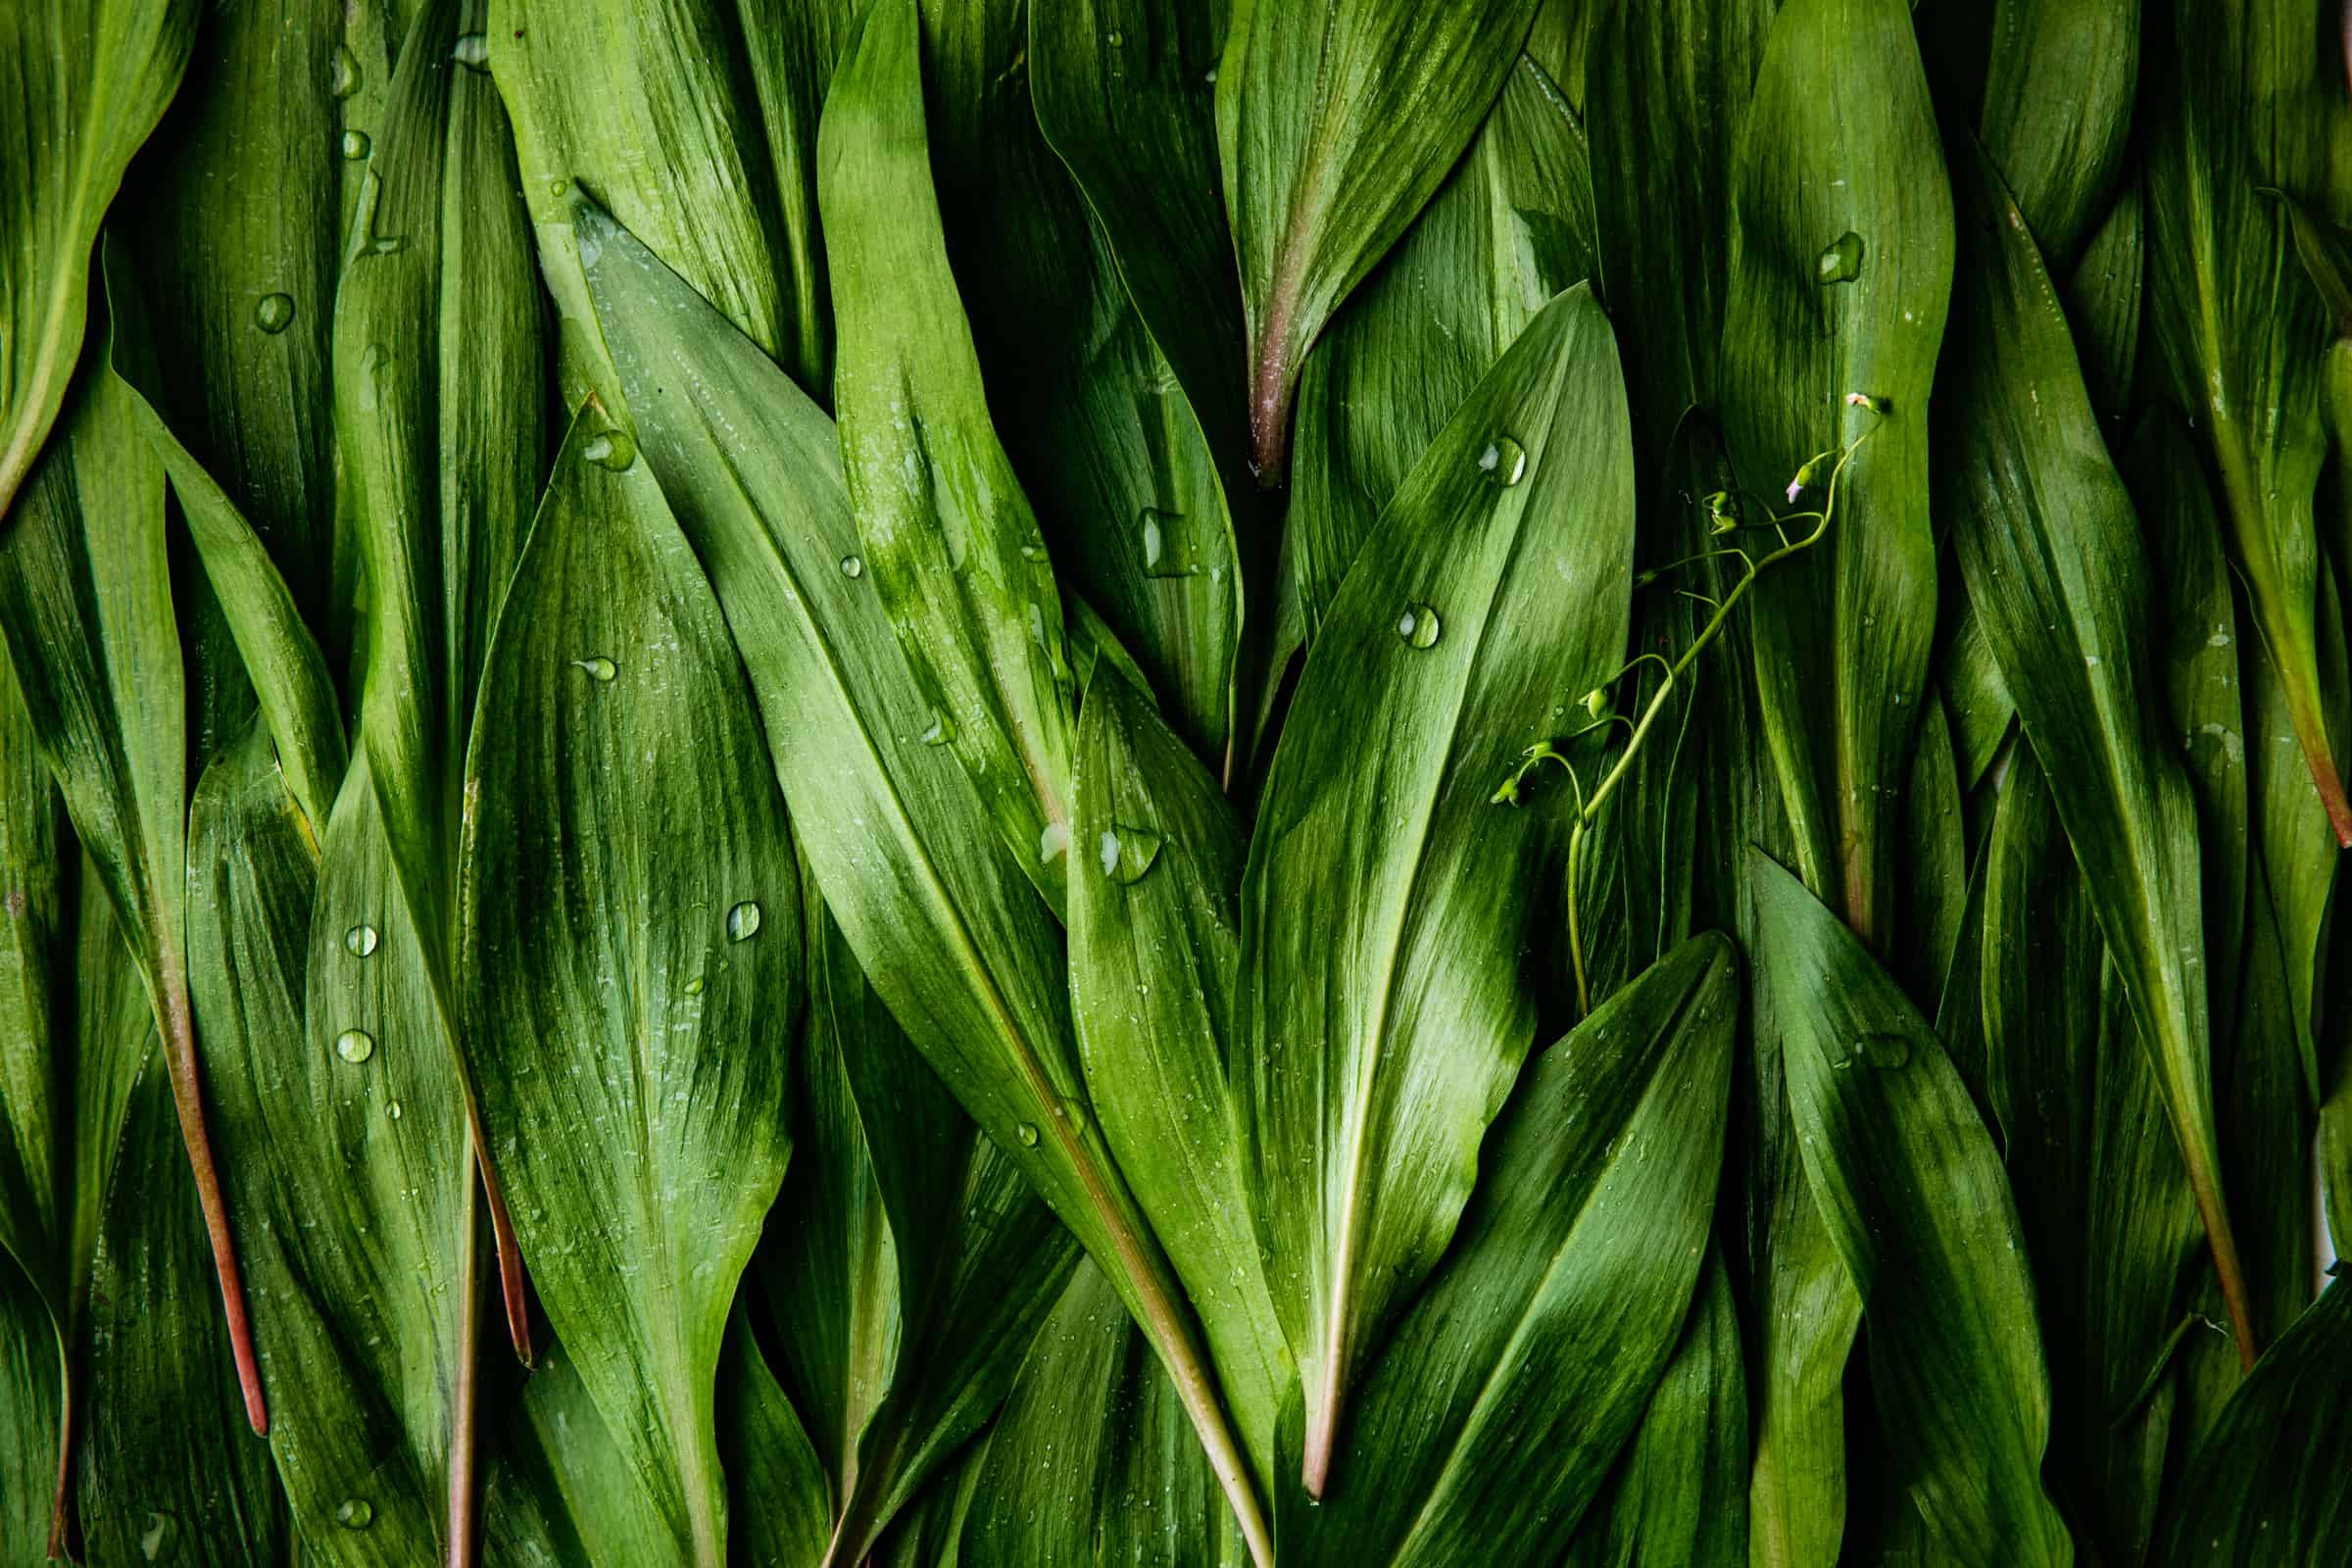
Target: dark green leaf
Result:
[2057, 111]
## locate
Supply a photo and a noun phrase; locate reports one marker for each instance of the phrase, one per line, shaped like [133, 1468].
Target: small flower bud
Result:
[1596, 703]
[1864, 400]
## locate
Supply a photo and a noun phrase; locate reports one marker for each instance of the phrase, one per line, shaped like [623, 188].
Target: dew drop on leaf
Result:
[392, 1109]
[355, 1513]
[611, 449]
[1126, 852]
[1166, 541]
[937, 733]
[360, 940]
[355, 1046]
[853, 566]
[472, 50]
[1503, 462]
[1418, 627]
[1027, 1133]
[161, 1527]
[356, 145]
[599, 668]
[743, 920]
[1841, 262]
[275, 313]
[343, 74]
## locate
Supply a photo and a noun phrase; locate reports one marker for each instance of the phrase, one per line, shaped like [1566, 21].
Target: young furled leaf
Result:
[1387, 895]
[1335, 124]
[634, 1005]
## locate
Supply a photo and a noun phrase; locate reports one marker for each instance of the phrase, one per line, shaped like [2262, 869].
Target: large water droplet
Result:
[392, 1109]
[1117, 38]
[1841, 262]
[1503, 462]
[937, 733]
[273, 313]
[356, 145]
[360, 940]
[355, 1046]
[853, 566]
[599, 668]
[472, 49]
[343, 74]
[1167, 544]
[743, 920]
[1126, 852]
[1027, 1133]
[1418, 627]
[610, 449]
[355, 1514]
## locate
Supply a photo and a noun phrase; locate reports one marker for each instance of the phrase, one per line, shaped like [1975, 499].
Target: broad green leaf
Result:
[1669, 82]
[2081, 1115]
[1494, 1414]
[438, 418]
[1126, 93]
[86, 615]
[1388, 897]
[85, 80]
[36, 993]
[2057, 111]
[1092, 1463]
[325, 1058]
[2244, 97]
[167, 1471]
[937, 907]
[953, 548]
[1912, 1192]
[2103, 304]
[562, 1493]
[233, 228]
[31, 1403]
[1680, 1494]
[778, 1499]
[634, 989]
[1136, 504]
[1334, 125]
[2056, 568]
[1155, 971]
[1839, 176]
[1511, 227]
[2266, 1485]
[646, 107]
[909, 1265]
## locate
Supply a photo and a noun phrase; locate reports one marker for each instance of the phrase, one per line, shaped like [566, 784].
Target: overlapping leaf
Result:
[1388, 897]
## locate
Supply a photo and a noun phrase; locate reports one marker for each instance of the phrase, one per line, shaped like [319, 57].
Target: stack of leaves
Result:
[902, 783]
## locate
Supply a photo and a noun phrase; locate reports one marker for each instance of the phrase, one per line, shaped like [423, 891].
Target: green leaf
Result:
[1136, 497]
[2080, 1115]
[85, 82]
[32, 1400]
[1839, 140]
[2049, 544]
[1680, 1494]
[2057, 111]
[564, 1492]
[1913, 1196]
[1334, 125]
[2241, 102]
[909, 1265]
[949, 542]
[1154, 972]
[1497, 1411]
[86, 614]
[1092, 1462]
[937, 907]
[779, 1505]
[1511, 227]
[1386, 909]
[2103, 303]
[639, 986]
[2266, 1484]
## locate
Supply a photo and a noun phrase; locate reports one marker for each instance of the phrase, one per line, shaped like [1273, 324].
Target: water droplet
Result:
[472, 49]
[1167, 544]
[355, 1514]
[356, 145]
[937, 733]
[161, 1527]
[1503, 462]
[343, 74]
[610, 449]
[853, 566]
[1051, 840]
[557, 187]
[1117, 38]
[1072, 1111]
[600, 668]
[388, 244]
[360, 940]
[273, 313]
[1841, 262]
[743, 920]
[1127, 853]
[355, 1046]
[392, 1109]
[694, 987]
[1418, 627]
[1027, 1135]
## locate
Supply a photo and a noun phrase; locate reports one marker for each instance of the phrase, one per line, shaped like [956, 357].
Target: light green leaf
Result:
[1155, 971]
[935, 906]
[1387, 903]
[635, 990]
[85, 80]
[1335, 124]
[1912, 1193]
[1839, 142]
[2050, 547]
[1497, 1411]
[950, 545]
